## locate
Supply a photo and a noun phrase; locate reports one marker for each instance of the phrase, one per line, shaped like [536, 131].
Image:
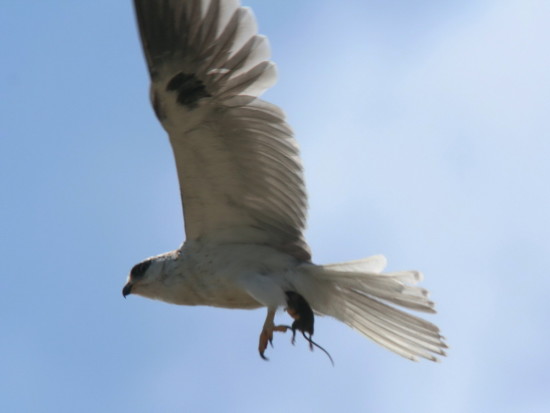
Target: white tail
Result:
[360, 295]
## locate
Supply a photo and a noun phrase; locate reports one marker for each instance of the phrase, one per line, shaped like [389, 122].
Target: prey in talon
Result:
[298, 308]
[301, 312]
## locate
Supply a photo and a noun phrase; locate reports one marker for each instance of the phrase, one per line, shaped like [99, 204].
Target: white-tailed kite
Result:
[243, 191]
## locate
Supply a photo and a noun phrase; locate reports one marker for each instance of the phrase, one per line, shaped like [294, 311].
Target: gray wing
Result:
[238, 164]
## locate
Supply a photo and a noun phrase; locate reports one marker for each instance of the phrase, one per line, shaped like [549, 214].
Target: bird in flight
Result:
[243, 192]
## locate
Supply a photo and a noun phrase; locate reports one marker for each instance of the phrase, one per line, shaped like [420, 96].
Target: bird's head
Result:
[140, 276]
[149, 277]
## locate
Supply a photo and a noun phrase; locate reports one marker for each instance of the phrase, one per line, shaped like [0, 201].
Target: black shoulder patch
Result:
[139, 270]
[189, 89]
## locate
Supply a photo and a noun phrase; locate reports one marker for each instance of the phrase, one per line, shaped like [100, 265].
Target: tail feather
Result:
[374, 264]
[397, 327]
[394, 291]
[387, 337]
[360, 295]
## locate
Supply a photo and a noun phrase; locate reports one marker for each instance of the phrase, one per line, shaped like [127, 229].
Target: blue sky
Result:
[424, 129]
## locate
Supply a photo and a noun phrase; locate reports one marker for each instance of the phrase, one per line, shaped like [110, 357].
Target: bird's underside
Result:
[243, 192]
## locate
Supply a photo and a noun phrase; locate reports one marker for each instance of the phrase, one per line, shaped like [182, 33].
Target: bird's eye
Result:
[139, 269]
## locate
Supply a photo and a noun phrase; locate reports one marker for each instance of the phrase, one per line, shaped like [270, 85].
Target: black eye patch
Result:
[139, 270]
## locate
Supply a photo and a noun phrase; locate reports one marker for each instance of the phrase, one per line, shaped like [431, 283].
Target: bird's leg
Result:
[266, 336]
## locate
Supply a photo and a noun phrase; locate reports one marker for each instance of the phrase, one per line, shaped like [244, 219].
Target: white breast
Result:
[228, 275]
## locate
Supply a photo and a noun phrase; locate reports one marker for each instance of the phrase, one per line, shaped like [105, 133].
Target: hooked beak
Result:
[127, 289]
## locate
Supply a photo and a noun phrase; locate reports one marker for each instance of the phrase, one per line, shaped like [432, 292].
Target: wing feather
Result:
[238, 164]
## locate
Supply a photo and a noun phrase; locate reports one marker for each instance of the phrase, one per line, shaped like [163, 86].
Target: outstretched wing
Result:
[238, 164]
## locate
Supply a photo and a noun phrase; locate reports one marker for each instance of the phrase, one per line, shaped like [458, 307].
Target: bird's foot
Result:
[266, 336]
